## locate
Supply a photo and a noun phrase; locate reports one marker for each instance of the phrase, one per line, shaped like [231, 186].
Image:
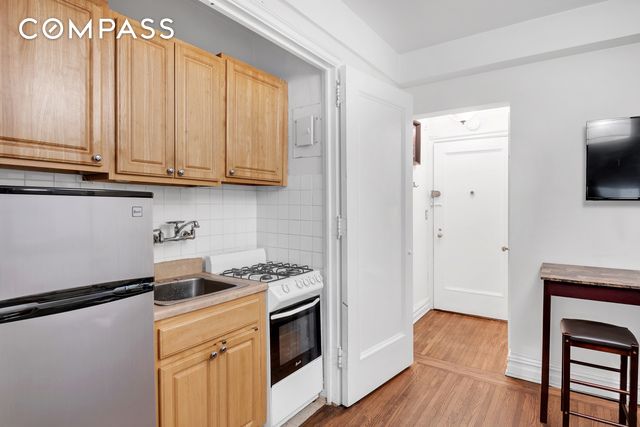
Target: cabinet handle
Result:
[170, 171]
[223, 350]
[232, 172]
[180, 172]
[213, 355]
[97, 158]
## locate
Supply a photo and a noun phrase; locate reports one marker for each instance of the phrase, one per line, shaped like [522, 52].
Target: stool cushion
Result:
[597, 333]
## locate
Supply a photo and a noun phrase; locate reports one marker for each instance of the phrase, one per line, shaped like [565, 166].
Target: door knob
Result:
[213, 355]
[97, 158]
[223, 350]
[440, 235]
[170, 171]
[180, 172]
[232, 172]
[505, 248]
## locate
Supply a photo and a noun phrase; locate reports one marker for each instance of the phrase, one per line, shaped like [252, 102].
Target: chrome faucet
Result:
[179, 232]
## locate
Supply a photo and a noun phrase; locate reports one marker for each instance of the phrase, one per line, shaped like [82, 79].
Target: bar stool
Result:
[610, 339]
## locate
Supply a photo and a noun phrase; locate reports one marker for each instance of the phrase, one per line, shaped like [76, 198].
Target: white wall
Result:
[423, 229]
[549, 218]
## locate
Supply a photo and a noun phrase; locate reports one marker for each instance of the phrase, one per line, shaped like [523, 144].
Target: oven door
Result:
[295, 338]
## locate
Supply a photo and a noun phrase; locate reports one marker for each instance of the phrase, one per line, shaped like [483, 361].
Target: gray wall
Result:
[549, 217]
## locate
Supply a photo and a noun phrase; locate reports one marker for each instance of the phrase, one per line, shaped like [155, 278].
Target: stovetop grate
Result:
[268, 272]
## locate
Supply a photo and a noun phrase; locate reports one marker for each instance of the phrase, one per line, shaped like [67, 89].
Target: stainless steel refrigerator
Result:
[76, 308]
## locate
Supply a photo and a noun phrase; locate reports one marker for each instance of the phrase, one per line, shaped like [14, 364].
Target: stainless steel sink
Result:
[186, 289]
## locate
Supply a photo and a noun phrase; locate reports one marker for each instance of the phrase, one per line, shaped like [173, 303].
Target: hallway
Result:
[457, 379]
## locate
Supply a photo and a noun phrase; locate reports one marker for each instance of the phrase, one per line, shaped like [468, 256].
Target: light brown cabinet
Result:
[211, 366]
[257, 109]
[54, 108]
[134, 109]
[170, 114]
[145, 141]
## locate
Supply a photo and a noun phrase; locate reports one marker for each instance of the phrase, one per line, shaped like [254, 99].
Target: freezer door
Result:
[87, 367]
[71, 238]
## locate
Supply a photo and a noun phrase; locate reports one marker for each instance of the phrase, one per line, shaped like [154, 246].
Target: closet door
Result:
[145, 105]
[200, 114]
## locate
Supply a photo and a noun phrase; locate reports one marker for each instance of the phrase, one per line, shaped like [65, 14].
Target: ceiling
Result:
[413, 24]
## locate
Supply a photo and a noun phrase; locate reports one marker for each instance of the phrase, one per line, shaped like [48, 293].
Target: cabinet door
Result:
[243, 389]
[51, 108]
[200, 114]
[256, 124]
[189, 392]
[145, 105]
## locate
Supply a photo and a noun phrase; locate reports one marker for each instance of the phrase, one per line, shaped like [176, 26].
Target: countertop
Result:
[595, 276]
[246, 287]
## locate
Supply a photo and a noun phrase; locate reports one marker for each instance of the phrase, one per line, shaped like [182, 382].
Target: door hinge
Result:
[338, 94]
[340, 357]
[339, 227]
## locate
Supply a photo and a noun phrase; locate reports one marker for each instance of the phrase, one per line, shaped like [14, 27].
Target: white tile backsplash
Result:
[291, 221]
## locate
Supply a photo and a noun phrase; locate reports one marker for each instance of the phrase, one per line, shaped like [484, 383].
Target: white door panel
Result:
[377, 293]
[470, 265]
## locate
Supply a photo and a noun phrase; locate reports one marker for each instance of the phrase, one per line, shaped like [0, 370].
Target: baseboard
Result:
[529, 369]
[421, 308]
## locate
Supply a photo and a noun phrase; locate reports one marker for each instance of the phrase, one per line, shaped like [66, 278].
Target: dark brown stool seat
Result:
[607, 338]
[598, 333]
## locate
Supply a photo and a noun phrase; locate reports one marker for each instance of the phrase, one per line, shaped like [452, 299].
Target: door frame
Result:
[430, 163]
[261, 21]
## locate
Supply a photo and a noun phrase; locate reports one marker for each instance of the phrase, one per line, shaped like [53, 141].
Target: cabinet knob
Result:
[170, 171]
[223, 350]
[232, 172]
[213, 355]
[97, 158]
[180, 172]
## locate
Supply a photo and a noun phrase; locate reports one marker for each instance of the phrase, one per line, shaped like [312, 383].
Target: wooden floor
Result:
[458, 379]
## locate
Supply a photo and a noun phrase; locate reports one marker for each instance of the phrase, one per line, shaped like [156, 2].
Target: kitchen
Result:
[216, 212]
[154, 175]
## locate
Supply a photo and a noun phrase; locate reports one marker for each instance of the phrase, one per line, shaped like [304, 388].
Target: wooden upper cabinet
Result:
[200, 114]
[54, 93]
[256, 125]
[145, 105]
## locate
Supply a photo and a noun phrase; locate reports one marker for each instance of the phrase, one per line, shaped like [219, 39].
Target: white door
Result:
[376, 126]
[471, 231]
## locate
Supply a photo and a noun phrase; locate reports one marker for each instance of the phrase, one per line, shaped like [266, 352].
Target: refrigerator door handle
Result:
[24, 311]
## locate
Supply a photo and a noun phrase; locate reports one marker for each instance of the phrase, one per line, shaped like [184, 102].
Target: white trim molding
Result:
[421, 308]
[528, 369]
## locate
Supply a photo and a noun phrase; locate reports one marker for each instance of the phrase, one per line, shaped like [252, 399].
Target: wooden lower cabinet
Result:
[221, 382]
[243, 404]
[189, 391]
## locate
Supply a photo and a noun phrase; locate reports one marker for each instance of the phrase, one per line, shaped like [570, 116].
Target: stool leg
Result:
[565, 395]
[633, 389]
[624, 372]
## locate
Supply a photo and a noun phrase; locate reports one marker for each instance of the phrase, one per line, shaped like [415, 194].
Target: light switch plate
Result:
[304, 128]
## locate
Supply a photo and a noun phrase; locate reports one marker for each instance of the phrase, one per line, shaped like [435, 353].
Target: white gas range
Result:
[294, 295]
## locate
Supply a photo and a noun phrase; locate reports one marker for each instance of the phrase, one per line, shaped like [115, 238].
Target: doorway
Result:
[469, 208]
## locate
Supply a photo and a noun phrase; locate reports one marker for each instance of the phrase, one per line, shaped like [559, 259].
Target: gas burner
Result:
[268, 272]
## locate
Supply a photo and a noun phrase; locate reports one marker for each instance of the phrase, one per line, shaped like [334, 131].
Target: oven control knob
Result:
[285, 288]
[307, 282]
[299, 284]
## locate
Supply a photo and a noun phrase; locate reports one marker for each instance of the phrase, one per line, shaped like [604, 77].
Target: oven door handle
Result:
[295, 311]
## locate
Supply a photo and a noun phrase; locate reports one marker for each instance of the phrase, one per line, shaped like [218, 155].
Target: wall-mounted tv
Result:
[613, 159]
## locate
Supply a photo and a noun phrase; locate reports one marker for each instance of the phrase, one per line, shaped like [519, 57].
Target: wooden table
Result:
[591, 283]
